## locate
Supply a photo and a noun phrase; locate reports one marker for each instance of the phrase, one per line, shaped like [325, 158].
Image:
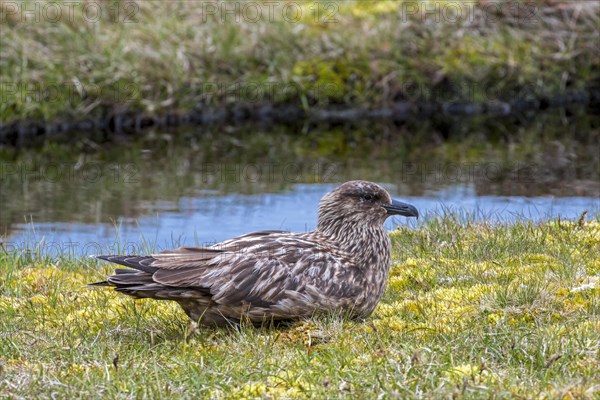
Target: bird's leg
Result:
[191, 330]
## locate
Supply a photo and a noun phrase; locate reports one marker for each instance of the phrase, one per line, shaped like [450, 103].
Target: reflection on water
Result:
[208, 220]
[202, 185]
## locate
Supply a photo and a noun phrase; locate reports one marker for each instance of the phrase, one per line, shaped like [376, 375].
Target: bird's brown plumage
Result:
[341, 266]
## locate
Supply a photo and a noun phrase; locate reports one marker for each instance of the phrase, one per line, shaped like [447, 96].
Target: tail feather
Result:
[134, 279]
[131, 281]
[141, 263]
[141, 288]
[119, 271]
[138, 282]
[103, 283]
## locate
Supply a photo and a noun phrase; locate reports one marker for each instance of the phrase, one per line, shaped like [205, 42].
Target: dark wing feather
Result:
[184, 258]
[259, 233]
[248, 239]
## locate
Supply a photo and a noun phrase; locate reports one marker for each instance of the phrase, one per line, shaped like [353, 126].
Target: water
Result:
[198, 186]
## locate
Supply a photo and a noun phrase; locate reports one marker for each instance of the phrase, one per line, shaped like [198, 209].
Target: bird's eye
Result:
[368, 197]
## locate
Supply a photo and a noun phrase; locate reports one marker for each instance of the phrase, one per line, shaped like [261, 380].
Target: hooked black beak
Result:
[400, 208]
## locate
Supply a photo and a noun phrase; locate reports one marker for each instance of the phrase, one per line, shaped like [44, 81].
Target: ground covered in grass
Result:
[87, 59]
[471, 310]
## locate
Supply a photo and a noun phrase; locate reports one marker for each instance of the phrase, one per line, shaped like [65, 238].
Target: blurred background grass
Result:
[97, 57]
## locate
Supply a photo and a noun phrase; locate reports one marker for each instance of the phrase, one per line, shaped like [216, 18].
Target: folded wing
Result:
[280, 274]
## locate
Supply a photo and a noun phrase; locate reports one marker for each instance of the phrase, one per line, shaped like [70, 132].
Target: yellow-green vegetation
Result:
[471, 310]
[88, 58]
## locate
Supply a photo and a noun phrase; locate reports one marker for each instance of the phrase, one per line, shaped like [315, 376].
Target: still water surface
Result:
[198, 186]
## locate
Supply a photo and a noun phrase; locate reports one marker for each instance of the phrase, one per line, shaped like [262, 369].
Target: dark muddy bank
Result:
[24, 133]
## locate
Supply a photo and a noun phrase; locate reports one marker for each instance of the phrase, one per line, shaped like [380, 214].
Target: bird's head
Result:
[360, 202]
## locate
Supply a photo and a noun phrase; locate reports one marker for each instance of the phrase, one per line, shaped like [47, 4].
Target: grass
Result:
[153, 57]
[471, 311]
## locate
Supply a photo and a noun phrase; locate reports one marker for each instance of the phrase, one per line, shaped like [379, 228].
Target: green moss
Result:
[337, 81]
